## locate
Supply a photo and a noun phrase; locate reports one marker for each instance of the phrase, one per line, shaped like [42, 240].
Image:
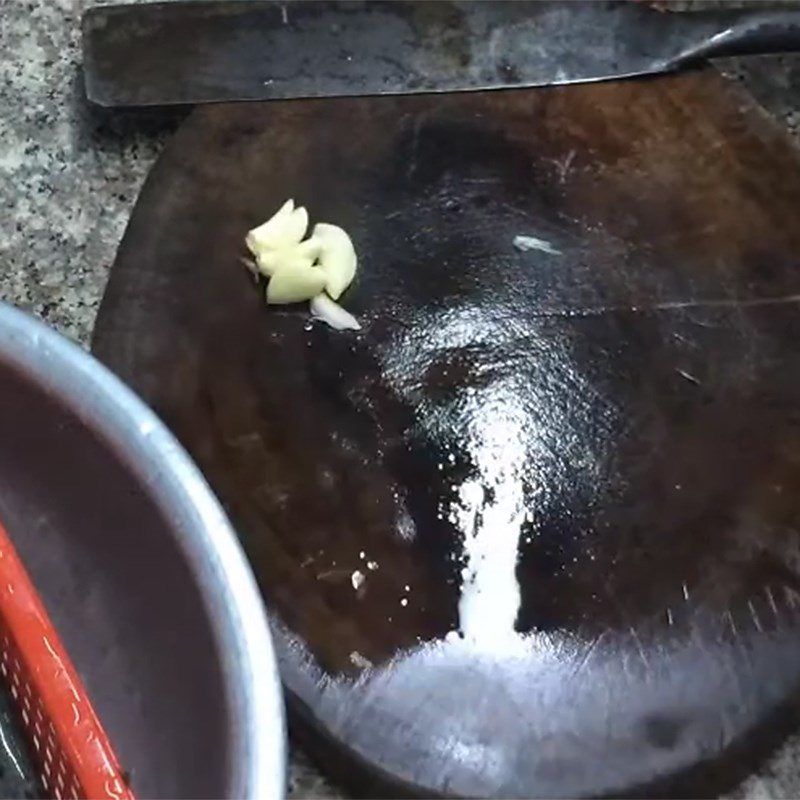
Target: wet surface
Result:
[100, 160]
[533, 531]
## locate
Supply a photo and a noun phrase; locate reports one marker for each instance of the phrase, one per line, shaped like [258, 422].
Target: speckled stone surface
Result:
[69, 177]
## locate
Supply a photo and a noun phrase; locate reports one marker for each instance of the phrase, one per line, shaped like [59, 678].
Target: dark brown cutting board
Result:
[614, 429]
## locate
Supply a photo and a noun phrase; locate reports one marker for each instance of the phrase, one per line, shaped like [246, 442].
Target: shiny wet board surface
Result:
[533, 531]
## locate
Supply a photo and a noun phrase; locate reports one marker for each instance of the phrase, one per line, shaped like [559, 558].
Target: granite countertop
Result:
[69, 176]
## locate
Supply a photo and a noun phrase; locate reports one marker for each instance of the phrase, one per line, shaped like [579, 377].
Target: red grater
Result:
[70, 749]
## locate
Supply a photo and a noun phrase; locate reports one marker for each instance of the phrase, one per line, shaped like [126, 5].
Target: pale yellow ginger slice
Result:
[337, 257]
[318, 269]
[295, 284]
[282, 230]
[298, 255]
[270, 261]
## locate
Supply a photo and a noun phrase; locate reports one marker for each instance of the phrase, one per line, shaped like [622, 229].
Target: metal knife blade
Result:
[207, 51]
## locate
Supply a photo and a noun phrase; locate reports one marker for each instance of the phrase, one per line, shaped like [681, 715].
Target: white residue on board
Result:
[490, 594]
[357, 579]
[360, 661]
[490, 512]
[526, 243]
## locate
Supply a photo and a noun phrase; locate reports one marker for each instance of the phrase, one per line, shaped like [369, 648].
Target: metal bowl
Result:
[141, 572]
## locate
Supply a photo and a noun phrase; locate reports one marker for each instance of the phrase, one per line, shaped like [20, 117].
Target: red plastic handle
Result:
[68, 742]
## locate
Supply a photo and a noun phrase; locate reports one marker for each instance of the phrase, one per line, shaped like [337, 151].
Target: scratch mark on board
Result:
[688, 376]
[563, 166]
[578, 668]
[727, 615]
[771, 599]
[639, 647]
[333, 574]
[792, 596]
[688, 305]
[680, 338]
[754, 615]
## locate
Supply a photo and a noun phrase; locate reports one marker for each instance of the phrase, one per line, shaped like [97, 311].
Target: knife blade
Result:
[198, 51]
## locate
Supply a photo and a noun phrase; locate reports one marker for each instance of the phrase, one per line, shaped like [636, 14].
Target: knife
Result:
[204, 51]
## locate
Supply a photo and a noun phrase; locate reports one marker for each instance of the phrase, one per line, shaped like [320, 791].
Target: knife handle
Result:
[739, 33]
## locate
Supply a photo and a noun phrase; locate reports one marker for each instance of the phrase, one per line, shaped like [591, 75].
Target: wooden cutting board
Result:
[534, 530]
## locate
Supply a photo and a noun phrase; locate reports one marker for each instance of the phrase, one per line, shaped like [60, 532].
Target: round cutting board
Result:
[533, 531]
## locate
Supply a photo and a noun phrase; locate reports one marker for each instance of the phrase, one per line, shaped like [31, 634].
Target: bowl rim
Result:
[202, 531]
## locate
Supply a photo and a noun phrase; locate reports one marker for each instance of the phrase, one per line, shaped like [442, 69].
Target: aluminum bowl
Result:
[141, 572]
